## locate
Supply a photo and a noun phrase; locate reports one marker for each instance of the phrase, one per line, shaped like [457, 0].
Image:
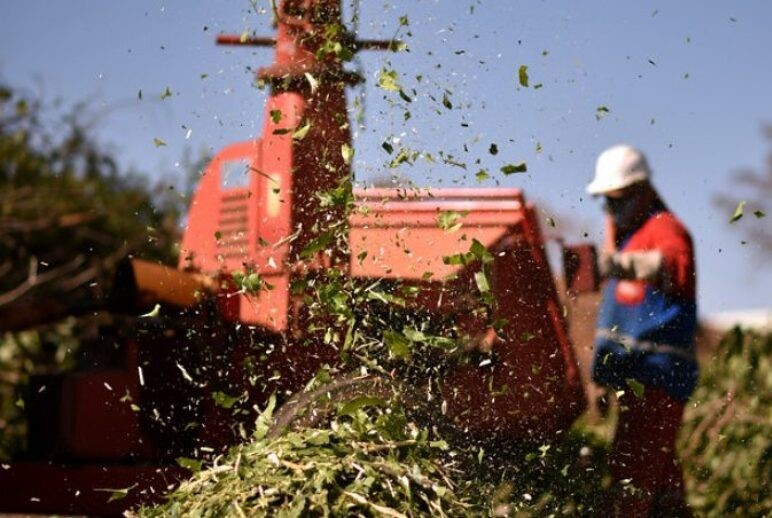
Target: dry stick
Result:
[34, 279]
[709, 413]
[63, 221]
[91, 273]
[726, 415]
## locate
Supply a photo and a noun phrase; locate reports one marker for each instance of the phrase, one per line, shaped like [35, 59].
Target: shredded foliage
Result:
[372, 460]
[368, 462]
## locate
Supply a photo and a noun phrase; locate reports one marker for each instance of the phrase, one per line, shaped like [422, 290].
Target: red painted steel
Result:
[257, 208]
[533, 389]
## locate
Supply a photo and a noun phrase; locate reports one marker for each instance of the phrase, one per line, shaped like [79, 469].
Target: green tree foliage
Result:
[726, 443]
[68, 214]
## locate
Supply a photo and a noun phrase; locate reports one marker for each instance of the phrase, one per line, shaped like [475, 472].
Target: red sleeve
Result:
[670, 237]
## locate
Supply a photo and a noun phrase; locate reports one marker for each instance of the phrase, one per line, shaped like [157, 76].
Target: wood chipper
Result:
[273, 221]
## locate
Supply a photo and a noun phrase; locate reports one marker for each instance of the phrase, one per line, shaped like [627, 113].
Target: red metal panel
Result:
[98, 422]
[532, 389]
[399, 233]
[221, 230]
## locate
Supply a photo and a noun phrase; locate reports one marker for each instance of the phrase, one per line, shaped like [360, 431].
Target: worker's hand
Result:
[644, 265]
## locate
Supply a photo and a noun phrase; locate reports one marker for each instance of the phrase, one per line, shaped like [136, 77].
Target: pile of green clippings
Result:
[370, 461]
[726, 443]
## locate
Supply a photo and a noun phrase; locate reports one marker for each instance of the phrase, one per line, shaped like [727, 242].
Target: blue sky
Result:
[688, 82]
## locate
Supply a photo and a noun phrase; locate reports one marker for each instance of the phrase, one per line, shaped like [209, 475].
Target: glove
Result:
[643, 265]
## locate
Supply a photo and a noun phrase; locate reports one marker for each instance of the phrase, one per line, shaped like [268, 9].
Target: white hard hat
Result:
[618, 167]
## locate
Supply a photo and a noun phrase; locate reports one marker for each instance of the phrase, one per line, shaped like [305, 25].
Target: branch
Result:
[95, 269]
[34, 279]
[63, 221]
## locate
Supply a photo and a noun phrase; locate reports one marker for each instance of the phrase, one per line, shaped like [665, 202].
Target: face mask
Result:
[625, 211]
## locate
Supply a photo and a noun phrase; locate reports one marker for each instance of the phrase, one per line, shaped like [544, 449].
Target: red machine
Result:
[102, 434]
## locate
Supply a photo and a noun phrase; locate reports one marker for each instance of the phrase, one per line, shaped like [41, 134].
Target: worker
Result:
[644, 346]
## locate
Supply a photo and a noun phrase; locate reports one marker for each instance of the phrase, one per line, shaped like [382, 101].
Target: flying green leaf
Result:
[403, 156]
[190, 464]
[520, 167]
[738, 212]
[601, 111]
[482, 175]
[158, 142]
[446, 102]
[448, 220]
[494, 149]
[636, 386]
[759, 213]
[481, 279]
[398, 345]
[522, 75]
[300, 133]
[442, 445]
[265, 419]
[223, 400]
[166, 93]
[346, 152]
[389, 80]
[481, 252]
[318, 244]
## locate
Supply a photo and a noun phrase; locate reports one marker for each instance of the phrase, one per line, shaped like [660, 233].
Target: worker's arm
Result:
[667, 262]
[644, 265]
[677, 270]
[626, 265]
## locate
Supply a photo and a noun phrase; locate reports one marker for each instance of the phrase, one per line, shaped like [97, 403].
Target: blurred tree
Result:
[68, 214]
[754, 190]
